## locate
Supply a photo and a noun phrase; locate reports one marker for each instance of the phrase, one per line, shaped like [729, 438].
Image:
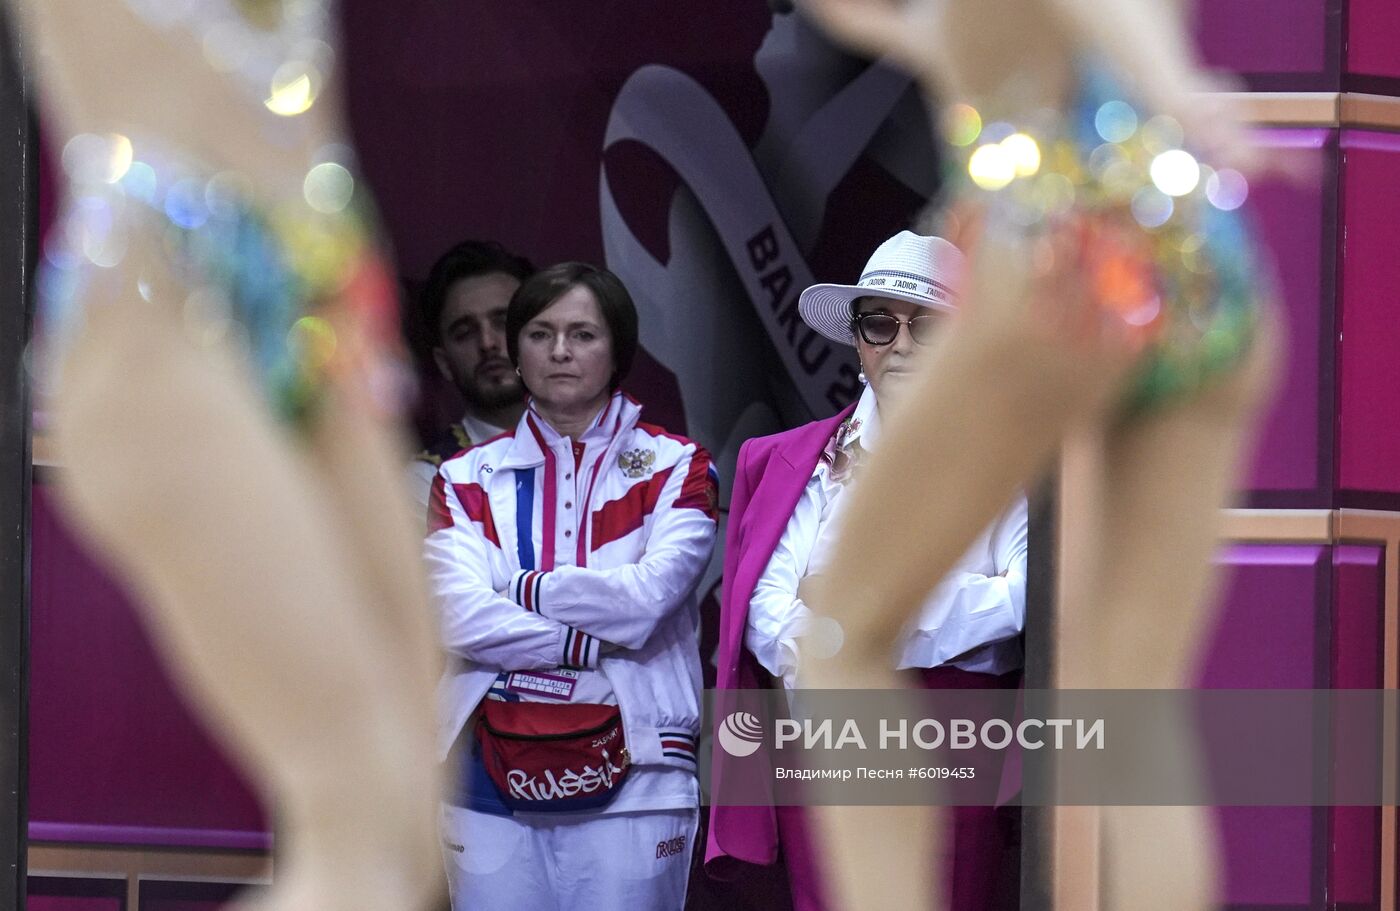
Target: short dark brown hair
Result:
[467, 259]
[548, 285]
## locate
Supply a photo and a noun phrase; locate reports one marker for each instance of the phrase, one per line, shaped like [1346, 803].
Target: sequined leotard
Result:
[1169, 251]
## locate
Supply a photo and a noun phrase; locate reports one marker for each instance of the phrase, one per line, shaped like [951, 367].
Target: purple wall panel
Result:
[179, 904]
[1368, 370]
[1268, 856]
[1373, 34]
[1357, 625]
[71, 903]
[55, 893]
[1265, 634]
[187, 896]
[1265, 637]
[1358, 616]
[48, 893]
[110, 743]
[1263, 36]
[1291, 221]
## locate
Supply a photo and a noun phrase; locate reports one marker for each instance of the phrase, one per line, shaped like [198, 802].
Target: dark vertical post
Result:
[18, 242]
[1037, 841]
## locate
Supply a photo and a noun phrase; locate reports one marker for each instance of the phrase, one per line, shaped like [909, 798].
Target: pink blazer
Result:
[769, 478]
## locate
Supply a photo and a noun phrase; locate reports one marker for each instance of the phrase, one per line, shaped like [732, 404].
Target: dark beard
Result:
[489, 398]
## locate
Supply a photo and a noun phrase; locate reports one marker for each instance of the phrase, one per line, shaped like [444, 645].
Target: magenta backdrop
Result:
[1266, 637]
[493, 121]
[1358, 622]
[1264, 36]
[1292, 456]
[1373, 34]
[1368, 418]
[1299, 617]
[111, 747]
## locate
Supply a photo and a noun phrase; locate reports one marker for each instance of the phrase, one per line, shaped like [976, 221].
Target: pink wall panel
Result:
[1373, 36]
[1263, 36]
[1293, 225]
[1358, 579]
[49, 893]
[1265, 633]
[1268, 857]
[1358, 617]
[1299, 617]
[1266, 636]
[110, 743]
[1368, 370]
[72, 903]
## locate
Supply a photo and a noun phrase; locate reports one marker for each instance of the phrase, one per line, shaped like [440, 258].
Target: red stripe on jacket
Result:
[439, 516]
[658, 431]
[700, 490]
[478, 509]
[581, 559]
[619, 518]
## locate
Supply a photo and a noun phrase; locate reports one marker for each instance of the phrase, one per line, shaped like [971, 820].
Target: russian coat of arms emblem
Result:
[636, 463]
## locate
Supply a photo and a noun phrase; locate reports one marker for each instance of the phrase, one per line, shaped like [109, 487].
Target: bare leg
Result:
[981, 463]
[1167, 476]
[360, 462]
[280, 574]
[1147, 609]
[175, 466]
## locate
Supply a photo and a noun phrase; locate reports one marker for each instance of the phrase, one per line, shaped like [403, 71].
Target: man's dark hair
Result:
[465, 260]
[548, 285]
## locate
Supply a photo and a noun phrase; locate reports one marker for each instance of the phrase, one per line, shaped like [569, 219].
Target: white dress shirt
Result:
[971, 620]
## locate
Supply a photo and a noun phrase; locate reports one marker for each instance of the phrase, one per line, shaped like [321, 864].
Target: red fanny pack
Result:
[545, 757]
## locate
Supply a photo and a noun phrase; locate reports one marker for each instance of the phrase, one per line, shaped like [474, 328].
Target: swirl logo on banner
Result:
[743, 225]
[755, 215]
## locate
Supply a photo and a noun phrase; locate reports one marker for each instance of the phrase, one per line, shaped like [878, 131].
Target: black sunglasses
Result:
[883, 328]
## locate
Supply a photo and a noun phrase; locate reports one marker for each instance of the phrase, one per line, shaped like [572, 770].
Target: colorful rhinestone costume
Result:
[294, 283]
[1170, 253]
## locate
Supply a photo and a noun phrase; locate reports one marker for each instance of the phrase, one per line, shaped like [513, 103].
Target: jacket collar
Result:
[534, 434]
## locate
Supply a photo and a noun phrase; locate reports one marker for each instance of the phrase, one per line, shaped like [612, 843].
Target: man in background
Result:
[464, 313]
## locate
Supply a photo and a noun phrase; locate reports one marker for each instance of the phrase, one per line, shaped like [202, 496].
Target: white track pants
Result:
[633, 861]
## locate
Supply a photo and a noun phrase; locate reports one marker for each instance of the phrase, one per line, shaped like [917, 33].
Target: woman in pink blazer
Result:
[769, 478]
[786, 496]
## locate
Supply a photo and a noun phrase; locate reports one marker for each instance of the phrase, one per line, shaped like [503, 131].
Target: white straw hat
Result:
[908, 266]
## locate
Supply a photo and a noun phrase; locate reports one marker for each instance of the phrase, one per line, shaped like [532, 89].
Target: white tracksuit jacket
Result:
[615, 543]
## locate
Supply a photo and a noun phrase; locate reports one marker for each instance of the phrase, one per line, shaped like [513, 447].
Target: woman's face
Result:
[889, 367]
[566, 353]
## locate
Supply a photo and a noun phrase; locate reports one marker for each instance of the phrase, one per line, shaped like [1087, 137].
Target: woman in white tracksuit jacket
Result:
[563, 557]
